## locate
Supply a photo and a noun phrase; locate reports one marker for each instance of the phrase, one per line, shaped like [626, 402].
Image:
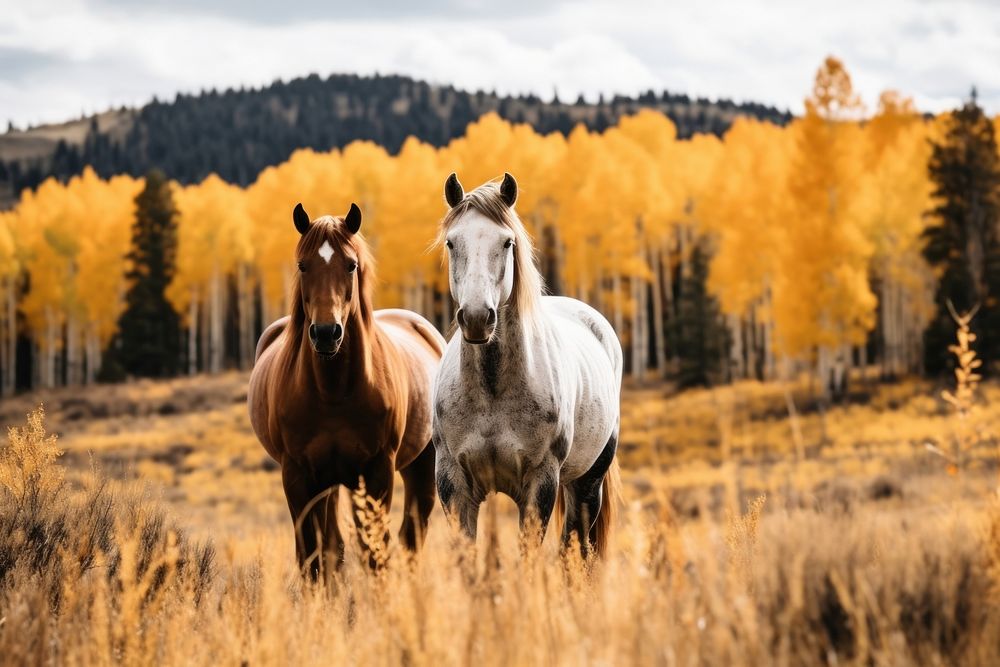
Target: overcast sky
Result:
[61, 58]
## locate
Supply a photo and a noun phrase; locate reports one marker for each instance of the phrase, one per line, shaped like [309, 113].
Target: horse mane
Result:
[331, 229]
[526, 297]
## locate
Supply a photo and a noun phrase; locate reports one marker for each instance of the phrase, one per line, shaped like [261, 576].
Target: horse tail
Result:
[611, 492]
[559, 512]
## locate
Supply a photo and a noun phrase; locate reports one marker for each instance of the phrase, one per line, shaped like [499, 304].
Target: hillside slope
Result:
[237, 133]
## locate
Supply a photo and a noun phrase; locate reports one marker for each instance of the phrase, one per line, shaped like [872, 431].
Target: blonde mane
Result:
[528, 285]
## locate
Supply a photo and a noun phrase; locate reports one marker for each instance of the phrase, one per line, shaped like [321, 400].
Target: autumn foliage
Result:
[813, 233]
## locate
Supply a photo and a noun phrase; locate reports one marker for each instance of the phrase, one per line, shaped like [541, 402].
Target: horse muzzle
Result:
[326, 338]
[477, 324]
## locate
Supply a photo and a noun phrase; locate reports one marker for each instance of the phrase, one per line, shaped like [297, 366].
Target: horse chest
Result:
[501, 438]
[330, 437]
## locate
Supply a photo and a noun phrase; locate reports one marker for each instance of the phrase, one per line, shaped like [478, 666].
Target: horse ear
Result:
[301, 219]
[508, 190]
[453, 192]
[353, 219]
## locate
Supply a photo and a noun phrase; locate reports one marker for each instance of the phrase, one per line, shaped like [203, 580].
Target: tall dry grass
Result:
[98, 575]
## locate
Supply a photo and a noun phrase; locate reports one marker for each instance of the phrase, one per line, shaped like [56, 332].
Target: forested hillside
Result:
[238, 133]
[820, 245]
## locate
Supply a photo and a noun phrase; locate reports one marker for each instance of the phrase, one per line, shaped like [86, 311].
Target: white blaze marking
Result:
[326, 251]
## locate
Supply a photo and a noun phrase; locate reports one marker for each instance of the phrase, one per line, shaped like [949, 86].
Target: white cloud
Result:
[72, 56]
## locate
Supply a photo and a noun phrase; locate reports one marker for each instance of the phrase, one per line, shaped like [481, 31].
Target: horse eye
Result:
[448, 244]
[508, 243]
[302, 267]
[352, 267]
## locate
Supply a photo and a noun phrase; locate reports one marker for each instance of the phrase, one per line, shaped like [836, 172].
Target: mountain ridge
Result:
[238, 132]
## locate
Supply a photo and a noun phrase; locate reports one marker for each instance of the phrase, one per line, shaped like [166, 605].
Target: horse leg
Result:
[455, 490]
[308, 518]
[539, 500]
[584, 498]
[418, 498]
[333, 543]
[378, 480]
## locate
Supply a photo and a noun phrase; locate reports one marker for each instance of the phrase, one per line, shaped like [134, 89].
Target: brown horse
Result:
[341, 392]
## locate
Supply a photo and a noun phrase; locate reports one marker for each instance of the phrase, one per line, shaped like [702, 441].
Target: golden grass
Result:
[864, 551]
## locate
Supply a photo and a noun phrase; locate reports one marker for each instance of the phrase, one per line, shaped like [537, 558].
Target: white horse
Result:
[526, 400]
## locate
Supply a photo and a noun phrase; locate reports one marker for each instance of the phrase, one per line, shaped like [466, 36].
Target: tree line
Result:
[237, 133]
[832, 242]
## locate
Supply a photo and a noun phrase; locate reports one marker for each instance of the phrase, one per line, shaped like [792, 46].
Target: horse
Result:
[341, 393]
[526, 400]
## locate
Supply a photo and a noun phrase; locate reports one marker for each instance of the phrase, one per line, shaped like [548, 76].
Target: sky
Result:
[60, 59]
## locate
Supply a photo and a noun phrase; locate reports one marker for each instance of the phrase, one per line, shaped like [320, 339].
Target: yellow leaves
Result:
[71, 239]
[804, 218]
[8, 251]
[833, 96]
[822, 293]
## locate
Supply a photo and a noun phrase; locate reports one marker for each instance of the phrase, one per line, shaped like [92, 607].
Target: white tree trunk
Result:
[737, 356]
[770, 362]
[823, 365]
[204, 330]
[659, 339]
[619, 315]
[216, 349]
[49, 352]
[671, 306]
[74, 371]
[637, 328]
[192, 352]
[244, 302]
[92, 347]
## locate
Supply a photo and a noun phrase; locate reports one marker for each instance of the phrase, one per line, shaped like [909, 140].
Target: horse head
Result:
[482, 236]
[329, 259]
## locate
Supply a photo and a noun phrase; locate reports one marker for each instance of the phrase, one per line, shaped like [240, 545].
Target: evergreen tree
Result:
[963, 243]
[148, 343]
[699, 331]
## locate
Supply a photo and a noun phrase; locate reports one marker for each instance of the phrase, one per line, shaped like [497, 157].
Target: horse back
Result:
[406, 323]
[586, 321]
[418, 348]
[259, 389]
[270, 334]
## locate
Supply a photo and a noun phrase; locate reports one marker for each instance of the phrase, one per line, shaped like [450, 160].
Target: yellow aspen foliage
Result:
[8, 251]
[213, 238]
[108, 212]
[46, 221]
[745, 209]
[821, 299]
[408, 216]
[813, 232]
[895, 194]
[581, 203]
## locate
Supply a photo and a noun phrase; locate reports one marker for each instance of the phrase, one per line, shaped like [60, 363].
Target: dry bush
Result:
[56, 542]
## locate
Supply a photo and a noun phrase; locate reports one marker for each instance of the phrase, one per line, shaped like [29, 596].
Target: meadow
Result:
[760, 527]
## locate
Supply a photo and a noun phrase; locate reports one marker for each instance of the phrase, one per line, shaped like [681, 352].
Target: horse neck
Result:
[510, 348]
[338, 377]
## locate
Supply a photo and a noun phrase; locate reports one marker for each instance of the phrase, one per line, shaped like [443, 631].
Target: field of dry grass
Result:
[759, 528]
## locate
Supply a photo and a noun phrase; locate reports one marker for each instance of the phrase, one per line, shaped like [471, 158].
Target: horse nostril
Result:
[460, 316]
[338, 332]
[313, 332]
[491, 317]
